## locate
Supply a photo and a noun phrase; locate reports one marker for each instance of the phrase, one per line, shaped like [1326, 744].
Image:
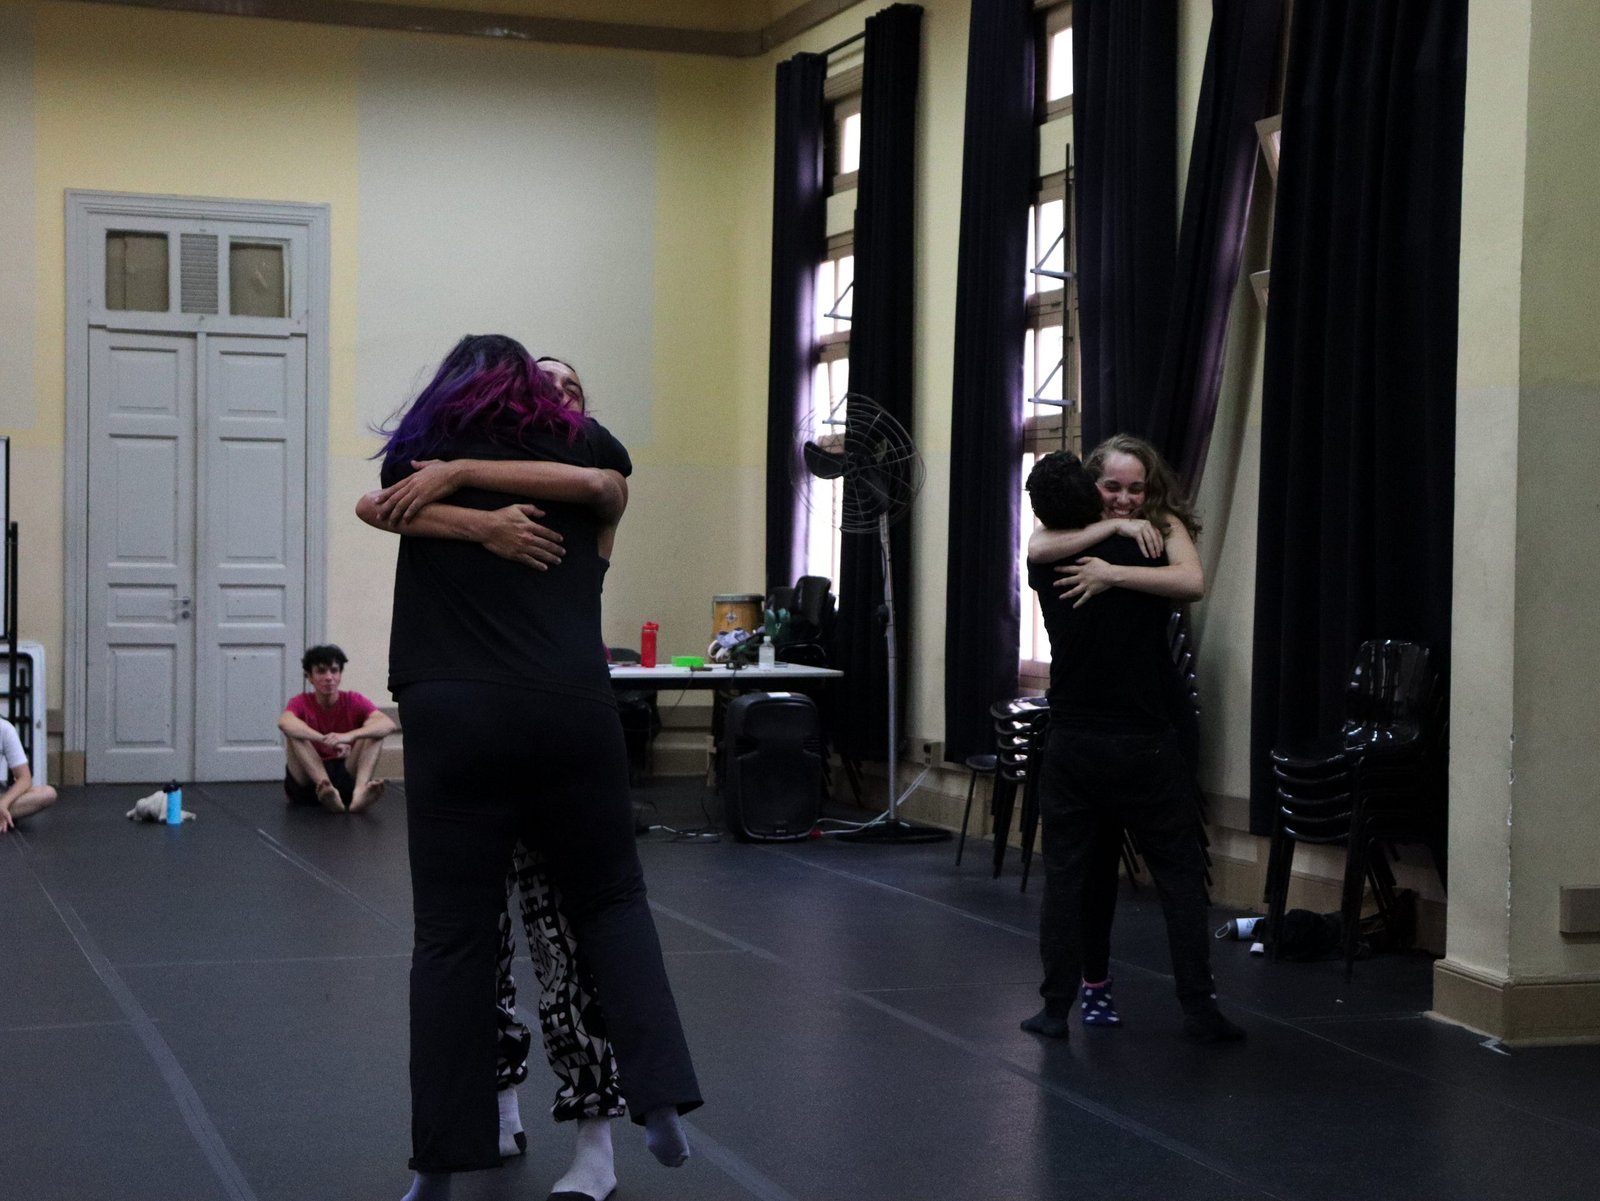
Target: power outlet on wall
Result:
[930, 752]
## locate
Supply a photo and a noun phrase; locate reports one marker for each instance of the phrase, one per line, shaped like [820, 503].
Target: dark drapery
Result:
[880, 365]
[1358, 391]
[981, 599]
[799, 241]
[1234, 94]
[1124, 141]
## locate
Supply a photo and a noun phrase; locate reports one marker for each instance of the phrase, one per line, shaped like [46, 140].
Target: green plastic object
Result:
[688, 660]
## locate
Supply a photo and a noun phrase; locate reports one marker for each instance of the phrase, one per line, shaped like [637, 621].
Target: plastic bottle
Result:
[767, 654]
[647, 644]
[174, 804]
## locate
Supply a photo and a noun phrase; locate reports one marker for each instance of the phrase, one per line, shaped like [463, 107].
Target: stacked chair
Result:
[1019, 729]
[1378, 781]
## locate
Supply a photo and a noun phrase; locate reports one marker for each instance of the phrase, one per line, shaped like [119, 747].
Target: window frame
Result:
[1055, 15]
[841, 93]
[1062, 429]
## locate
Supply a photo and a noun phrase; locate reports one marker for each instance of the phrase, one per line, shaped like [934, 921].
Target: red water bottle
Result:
[647, 644]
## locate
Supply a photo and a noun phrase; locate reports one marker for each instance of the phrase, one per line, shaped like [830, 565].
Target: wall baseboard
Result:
[1520, 1013]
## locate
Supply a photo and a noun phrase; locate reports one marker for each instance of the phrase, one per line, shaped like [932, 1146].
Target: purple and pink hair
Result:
[488, 383]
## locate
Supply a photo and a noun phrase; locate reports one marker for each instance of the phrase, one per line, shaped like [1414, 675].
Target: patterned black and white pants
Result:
[571, 1024]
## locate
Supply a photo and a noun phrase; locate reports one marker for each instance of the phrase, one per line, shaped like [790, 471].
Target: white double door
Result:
[196, 552]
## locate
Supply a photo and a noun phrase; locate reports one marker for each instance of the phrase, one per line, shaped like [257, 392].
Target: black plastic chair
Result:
[1378, 781]
[978, 765]
[1018, 733]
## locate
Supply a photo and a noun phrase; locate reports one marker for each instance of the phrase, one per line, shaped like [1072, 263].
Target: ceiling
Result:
[735, 28]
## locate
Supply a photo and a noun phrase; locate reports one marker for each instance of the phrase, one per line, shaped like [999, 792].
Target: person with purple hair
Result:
[571, 1025]
[485, 640]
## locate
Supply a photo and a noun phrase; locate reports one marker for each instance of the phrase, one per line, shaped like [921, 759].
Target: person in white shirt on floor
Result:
[22, 796]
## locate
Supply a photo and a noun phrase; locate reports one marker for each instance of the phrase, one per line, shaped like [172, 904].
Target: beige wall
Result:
[1526, 638]
[270, 110]
[1556, 824]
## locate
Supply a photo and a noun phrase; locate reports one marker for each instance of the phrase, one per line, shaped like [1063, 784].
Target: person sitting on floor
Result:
[22, 796]
[332, 738]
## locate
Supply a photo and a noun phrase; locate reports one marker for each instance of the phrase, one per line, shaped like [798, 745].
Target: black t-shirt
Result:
[464, 613]
[1110, 668]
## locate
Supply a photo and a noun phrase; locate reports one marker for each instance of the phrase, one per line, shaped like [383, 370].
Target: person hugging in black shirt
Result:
[1112, 757]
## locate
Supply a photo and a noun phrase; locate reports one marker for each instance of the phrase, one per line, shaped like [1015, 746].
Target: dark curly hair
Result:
[325, 655]
[1063, 492]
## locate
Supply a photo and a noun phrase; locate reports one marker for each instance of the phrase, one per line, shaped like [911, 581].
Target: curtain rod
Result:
[849, 41]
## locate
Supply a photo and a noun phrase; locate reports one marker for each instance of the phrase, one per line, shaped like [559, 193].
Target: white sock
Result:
[593, 1173]
[429, 1186]
[512, 1140]
[664, 1135]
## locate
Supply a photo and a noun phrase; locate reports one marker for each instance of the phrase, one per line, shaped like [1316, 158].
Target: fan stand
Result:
[889, 826]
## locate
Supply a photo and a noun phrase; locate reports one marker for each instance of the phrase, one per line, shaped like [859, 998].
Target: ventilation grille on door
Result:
[197, 272]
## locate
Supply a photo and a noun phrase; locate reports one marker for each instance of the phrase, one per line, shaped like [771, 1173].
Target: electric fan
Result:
[863, 446]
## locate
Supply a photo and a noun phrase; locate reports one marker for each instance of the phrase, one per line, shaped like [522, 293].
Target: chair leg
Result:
[1279, 862]
[1030, 824]
[1005, 800]
[1355, 881]
[966, 816]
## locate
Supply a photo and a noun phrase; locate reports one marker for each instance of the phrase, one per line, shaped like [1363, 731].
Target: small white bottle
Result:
[767, 655]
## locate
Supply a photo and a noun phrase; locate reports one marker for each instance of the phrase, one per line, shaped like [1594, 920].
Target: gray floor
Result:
[219, 1012]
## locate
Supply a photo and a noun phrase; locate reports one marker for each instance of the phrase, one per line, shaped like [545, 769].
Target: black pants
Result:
[1090, 781]
[1100, 899]
[485, 765]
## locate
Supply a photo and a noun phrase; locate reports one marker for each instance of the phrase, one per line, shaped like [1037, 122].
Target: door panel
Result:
[251, 557]
[141, 556]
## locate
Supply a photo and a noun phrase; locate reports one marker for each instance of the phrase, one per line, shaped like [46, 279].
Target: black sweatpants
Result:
[1091, 780]
[487, 764]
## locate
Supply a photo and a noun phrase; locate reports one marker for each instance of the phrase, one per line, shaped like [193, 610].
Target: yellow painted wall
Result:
[142, 101]
[1488, 367]
[1555, 829]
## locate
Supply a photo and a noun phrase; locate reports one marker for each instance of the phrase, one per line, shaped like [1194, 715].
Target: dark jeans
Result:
[485, 765]
[1092, 780]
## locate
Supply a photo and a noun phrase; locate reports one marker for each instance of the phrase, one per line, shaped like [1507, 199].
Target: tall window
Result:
[829, 383]
[835, 294]
[1051, 418]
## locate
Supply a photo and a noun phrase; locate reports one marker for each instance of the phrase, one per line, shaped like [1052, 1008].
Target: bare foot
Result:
[367, 796]
[329, 796]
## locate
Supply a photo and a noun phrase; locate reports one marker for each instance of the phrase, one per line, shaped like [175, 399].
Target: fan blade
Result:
[870, 490]
[825, 465]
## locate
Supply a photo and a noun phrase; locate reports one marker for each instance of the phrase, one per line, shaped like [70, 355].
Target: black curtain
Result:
[1358, 393]
[981, 599]
[1124, 139]
[880, 365]
[1234, 93]
[799, 241]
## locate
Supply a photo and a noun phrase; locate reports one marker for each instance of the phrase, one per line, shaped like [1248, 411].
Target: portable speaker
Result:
[773, 785]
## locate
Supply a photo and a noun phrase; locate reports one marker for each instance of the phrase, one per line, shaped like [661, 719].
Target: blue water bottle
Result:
[174, 804]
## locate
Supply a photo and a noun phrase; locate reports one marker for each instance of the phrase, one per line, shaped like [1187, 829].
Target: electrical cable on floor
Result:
[709, 832]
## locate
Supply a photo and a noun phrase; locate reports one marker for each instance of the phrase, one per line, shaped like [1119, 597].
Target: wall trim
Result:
[1534, 1011]
[517, 27]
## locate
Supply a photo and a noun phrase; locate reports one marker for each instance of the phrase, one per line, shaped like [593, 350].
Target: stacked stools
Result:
[1019, 727]
[1378, 781]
